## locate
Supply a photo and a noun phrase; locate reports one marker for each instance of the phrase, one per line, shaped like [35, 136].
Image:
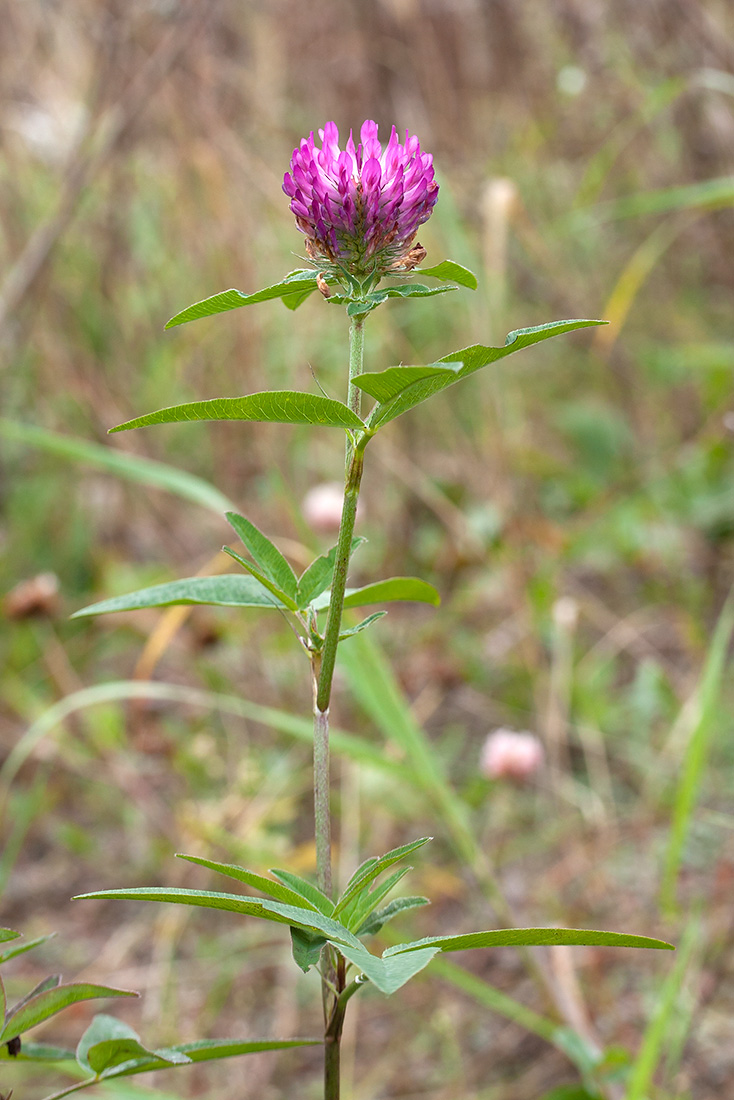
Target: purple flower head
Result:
[360, 207]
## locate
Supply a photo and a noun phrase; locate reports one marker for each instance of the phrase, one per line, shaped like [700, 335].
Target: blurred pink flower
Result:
[322, 507]
[360, 207]
[507, 754]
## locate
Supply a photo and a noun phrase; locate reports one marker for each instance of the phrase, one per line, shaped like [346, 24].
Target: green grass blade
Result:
[373, 683]
[697, 752]
[494, 999]
[712, 194]
[655, 1040]
[141, 471]
[292, 725]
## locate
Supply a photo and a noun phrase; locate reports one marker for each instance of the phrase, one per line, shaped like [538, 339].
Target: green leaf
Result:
[21, 948]
[46, 983]
[318, 576]
[266, 885]
[293, 301]
[368, 900]
[109, 1043]
[105, 1031]
[274, 406]
[249, 566]
[585, 1055]
[266, 554]
[293, 289]
[51, 1001]
[531, 937]
[3, 1001]
[371, 868]
[135, 468]
[112, 1053]
[352, 630]
[474, 358]
[307, 890]
[235, 903]
[229, 590]
[387, 384]
[380, 917]
[8, 934]
[366, 305]
[39, 1052]
[448, 269]
[103, 1028]
[207, 1050]
[332, 929]
[207, 899]
[416, 290]
[394, 588]
[384, 973]
[306, 947]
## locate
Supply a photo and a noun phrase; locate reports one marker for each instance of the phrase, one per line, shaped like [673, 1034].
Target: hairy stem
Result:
[356, 360]
[322, 816]
[333, 982]
[339, 583]
[354, 466]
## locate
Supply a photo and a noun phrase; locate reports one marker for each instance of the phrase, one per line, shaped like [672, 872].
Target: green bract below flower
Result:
[360, 208]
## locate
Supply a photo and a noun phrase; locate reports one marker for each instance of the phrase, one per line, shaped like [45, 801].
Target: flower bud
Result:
[360, 207]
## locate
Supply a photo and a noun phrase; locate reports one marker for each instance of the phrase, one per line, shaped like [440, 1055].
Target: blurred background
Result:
[573, 505]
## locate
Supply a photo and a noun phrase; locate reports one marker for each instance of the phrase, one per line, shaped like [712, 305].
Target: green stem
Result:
[356, 360]
[332, 986]
[322, 816]
[339, 583]
[354, 466]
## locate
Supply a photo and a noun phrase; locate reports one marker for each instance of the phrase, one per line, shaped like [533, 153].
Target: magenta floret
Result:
[361, 207]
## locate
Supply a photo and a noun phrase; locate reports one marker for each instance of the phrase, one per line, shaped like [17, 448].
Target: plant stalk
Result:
[323, 674]
[322, 816]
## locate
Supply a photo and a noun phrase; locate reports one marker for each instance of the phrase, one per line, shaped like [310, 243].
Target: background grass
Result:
[586, 161]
